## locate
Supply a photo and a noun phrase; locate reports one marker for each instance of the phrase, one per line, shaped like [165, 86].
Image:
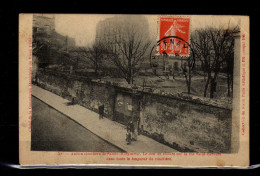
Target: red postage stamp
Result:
[174, 36]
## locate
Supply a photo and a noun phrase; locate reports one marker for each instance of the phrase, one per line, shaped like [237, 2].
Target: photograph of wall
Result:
[138, 98]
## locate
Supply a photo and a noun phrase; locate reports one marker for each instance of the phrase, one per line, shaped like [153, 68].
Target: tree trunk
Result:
[213, 85]
[228, 83]
[189, 83]
[189, 88]
[77, 63]
[232, 85]
[128, 80]
[207, 85]
[96, 69]
[212, 88]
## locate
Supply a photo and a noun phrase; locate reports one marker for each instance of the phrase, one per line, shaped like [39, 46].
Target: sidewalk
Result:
[108, 130]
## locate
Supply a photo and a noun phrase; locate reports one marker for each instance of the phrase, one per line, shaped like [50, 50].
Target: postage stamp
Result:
[173, 34]
[133, 90]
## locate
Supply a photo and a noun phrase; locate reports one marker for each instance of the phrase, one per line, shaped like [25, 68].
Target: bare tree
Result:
[214, 47]
[228, 57]
[94, 54]
[223, 44]
[187, 71]
[126, 49]
[202, 47]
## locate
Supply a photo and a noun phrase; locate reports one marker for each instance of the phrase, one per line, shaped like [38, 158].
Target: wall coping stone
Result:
[219, 103]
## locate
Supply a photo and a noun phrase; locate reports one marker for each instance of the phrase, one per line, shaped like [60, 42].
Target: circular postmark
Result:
[165, 48]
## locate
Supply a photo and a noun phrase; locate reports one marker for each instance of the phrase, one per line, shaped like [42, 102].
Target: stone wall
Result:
[188, 124]
[87, 93]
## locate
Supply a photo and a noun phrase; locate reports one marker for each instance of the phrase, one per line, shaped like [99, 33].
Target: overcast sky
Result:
[83, 27]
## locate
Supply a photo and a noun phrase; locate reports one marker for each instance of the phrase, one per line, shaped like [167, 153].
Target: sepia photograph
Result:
[137, 84]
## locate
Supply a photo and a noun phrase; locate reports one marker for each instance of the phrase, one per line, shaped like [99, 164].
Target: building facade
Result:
[50, 47]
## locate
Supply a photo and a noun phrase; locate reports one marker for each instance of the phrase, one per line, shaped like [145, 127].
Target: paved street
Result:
[108, 130]
[53, 131]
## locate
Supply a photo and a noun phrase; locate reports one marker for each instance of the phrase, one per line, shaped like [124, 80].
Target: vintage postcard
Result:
[134, 90]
